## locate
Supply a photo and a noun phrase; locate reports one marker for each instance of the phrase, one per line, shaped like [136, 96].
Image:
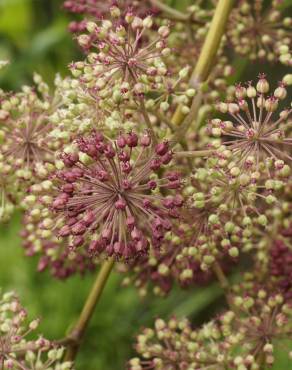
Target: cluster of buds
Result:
[27, 150]
[108, 196]
[255, 140]
[89, 166]
[224, 211]
[17, 350]
[121, 62]
[78, 114]
[243, 338]
[257, 32]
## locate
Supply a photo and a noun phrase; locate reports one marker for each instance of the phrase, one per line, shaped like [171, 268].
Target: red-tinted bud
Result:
[152, 184]
[130, 222]
[166, 158]
[120, 204]
[168, 203]
[124, 156]
[60, 201]
[119, 248]
[136, 234]
[172, 176]
[68, 188]
[126, 167]
[145, 140]
[106, 234]
[78, 242]
[88, 218]
[162, 148]
[155, 164]
[146, 203]
[64, 231]
[102, 175]
[126, 184]
[78, 229]
[109, 151]
[132, 140]
[121, 141]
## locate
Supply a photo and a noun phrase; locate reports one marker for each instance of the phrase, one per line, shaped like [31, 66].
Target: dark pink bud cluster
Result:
[110, 202]
[120, 57]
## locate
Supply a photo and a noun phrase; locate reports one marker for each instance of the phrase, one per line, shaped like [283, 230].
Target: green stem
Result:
[206, 58]
[212, 42]
[76, 334]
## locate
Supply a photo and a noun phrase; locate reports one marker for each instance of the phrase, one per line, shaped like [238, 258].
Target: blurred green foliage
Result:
[34, 37]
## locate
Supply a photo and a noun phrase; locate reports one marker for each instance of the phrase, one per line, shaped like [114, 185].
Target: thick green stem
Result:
[76, 334]
[207, 55]
[212, 42]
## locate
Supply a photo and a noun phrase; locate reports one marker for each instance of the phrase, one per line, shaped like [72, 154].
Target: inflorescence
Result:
[100, 169]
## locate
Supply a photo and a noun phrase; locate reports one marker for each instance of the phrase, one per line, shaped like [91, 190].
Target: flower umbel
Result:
[108, 197]
[120, 57]
[16, 351]
[258, 32]
[254, 136]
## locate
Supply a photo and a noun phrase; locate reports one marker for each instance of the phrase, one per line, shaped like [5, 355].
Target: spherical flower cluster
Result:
[27, 150]
[17, 352]
[262, 318]
[254, 138]
[25, 128]
[107, 196]
[257, 32]
[176, 345]
[233, 341]
[123, 65]
[224, 212]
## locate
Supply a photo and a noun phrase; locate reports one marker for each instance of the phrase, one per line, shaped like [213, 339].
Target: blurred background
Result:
[34, 37]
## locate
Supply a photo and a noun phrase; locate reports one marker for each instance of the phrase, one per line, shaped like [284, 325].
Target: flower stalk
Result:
[77, 332]
[206, 58]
